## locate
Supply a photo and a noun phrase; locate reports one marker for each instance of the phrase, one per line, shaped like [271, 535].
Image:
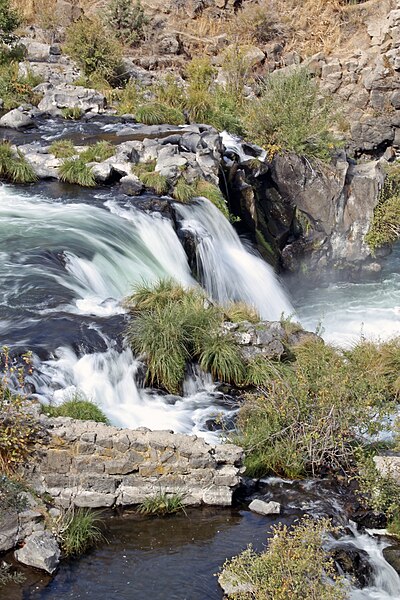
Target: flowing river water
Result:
[67, 259]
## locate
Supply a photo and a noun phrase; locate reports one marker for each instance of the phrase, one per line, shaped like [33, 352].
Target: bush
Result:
[384, 228]
[79, 531]
[75, 170]
[63, 149]
[14, 167]
[18, 428]
[16, 89]
[308, 415]
[94, 48]
[290, 114]
[9, 21]
[127, 20]
[77, 408]
[295, 566]
[11, 495]
[162, 504]
[172, 326]
[378, 492]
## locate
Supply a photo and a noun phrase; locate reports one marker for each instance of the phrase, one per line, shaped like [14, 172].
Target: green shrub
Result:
[295, 566]
[16, 89]
[71, 113]
[19, 430]
[14, 167]
[11, 496]
[9, 21]
[169, 92]
[309, 413]
[221, 357]
[378, 492]
[162, 504]
[79, 408]
[94, 48]
[290, 114]
[75, 170]
[79, 531]
[127, 20]
[384, 228]
[63, 149]
[98, 152]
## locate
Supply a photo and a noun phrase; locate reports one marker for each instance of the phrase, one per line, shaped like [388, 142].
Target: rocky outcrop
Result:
[308, 216]
[41, 551]
[93, 465]
[56, 98]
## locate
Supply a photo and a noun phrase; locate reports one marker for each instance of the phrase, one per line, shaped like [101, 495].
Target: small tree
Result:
[127, 20]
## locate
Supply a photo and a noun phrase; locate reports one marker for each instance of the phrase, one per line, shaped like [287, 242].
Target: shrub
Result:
[16, 89]
[14, 167]
[378, 492]
[9, 21]
[384, 228]
[71, 113]
[18, 428]
[290, 115]
[294, 566]
[62, 149]
[94, 48]
[11, 495]
[127, 20]
[162, 504]
[75, 170]
[310, 413]
[79, 530]
[79, 408]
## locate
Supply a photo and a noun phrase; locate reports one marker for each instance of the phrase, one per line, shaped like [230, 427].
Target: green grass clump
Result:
[62, 149]
[214, 194]
[183, 191]
[290, 114]
[80, 531]
[240, 311]
[162, 504]
[384, 228]
[171, 327]
[154, 113]
[98, 152]
[295, 566]
[77, 408]
[155, 181]
[71, 113]
[75, 170]
[14, 167]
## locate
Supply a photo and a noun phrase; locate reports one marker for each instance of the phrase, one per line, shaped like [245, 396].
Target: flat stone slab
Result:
[265, 508]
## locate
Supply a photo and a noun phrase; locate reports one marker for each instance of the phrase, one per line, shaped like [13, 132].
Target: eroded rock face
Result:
[95, 465]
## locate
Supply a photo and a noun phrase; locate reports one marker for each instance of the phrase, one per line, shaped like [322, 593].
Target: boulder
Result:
[17, 119]
[41, 551]
[72, 96]
[265, 508]
[131, 185]
[8, 530]
[35, 51]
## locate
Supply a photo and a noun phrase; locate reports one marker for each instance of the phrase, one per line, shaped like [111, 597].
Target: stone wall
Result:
[95, 465]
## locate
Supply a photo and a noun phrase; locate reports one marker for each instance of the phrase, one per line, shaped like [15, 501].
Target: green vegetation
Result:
[214, 194]
[385, 225]
[11, 495]
[18, 428]
[94, 48]
[63, 149]
[239, 311]
[150, 178]
[71, 113]
[295, 566]
[77, 407]
[13, 165]
[79, 531]
[16, 89]
[311, 414]
[162, 504]
[9, 21]
[9, 575]
[97, 152]
[290, 114]
[75, 170]
[127, 20]
[184, 191]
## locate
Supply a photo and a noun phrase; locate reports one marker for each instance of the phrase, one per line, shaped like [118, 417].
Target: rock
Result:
[72, 96]
[41, 551]
[354, 562]
[35, 51]
[231, 588]
[8, 530]
[17, 119]
[392, 555]
[102, 172]
[131, 185]
[265, 508]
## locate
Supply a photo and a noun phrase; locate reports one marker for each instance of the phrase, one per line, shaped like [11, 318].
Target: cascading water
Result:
[65, 268]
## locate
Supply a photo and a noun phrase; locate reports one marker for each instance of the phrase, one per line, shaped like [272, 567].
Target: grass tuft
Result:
[62, 149]
[162, 504]
[98, 152]
[183, 191]
[78, 408]
[71, 113]
[240, 311]
[221, 357]
[14, 167]
[155, 181]
[75, 170]
[80, 531]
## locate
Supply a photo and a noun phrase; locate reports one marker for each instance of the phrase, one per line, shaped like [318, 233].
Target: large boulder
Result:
[72, 96]
[41, 551]
[17, 119]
